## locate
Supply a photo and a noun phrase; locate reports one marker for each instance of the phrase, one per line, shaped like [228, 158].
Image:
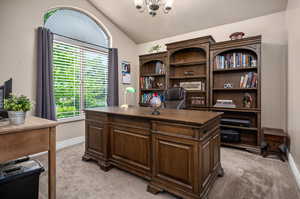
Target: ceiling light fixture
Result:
[152, 6]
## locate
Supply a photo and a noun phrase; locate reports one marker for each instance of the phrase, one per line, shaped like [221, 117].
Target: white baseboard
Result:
[64, 144]
[294, 169]
[69, 142]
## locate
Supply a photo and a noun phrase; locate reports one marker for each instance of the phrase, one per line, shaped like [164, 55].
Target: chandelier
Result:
[152, 6]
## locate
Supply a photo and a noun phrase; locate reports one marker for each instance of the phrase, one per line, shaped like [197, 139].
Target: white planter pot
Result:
[16, 117]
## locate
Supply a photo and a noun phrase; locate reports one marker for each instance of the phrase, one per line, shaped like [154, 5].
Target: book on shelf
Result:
[235, 60]
[224, 104]
[199, 85]
[198, 101]
[146, 97]
[249, 80]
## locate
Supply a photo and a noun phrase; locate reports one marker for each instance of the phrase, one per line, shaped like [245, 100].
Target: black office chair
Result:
[175, 98]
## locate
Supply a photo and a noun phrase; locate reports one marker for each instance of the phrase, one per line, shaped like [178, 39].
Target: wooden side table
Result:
[35, 136]
[274, 142]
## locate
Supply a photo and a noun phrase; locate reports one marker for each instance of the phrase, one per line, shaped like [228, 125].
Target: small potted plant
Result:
[16, 107]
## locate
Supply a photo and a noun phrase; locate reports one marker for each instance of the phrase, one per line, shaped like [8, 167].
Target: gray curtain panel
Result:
[45, 106]
[113, 78]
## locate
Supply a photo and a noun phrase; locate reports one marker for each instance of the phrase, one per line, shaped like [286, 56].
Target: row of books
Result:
[147, 82]
[160, 68]
[146, 97]
[249, 80]
[198, 101]
[235, 60]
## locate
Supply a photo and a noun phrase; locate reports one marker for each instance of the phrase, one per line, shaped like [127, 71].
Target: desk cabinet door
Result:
[130, 148]
[94, 138]
[175, 161]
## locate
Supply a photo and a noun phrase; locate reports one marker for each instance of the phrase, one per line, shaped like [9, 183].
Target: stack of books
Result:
[249, 80]
[235, 60]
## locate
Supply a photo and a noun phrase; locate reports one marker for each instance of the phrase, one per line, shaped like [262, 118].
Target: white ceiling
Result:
[186, 16]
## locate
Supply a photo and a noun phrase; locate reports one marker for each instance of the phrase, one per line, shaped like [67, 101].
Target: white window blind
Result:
[80, 78]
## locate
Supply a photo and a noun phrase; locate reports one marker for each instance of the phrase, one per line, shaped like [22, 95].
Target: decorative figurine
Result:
[237, 35]
[247, 100]
[155, 103]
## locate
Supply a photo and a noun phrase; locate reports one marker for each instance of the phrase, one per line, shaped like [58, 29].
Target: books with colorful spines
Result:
[245, 81]
[242, 81]
[249, 81]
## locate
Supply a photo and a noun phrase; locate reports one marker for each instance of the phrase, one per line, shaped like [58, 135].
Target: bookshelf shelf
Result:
[188, 77]
[239, 127]
[195, 91]
[234, 69]
[153, 75]
[189, 63]
[235, 89]
[243, 110]
[153, 89]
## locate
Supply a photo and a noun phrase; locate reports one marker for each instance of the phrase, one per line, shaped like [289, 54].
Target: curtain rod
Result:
[80, 41]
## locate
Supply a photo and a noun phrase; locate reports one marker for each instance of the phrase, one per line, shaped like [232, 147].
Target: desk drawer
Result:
[133, 122]
[25, 143]
[175, 129]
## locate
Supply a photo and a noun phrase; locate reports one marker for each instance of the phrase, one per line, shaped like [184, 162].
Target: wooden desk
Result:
[35, 136]
[177, 151]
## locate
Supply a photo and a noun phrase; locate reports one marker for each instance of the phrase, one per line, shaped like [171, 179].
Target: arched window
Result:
[80, 62]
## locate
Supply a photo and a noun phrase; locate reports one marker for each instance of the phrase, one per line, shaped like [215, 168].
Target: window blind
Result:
[80, 77]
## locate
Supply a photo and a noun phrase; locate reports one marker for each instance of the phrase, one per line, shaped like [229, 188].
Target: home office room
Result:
[149, 99]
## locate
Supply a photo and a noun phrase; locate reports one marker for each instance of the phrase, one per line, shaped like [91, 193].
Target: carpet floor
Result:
[247, 176]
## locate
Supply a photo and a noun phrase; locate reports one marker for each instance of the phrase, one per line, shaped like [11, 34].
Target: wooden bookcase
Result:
[195, 60]
[148, 69]
[188, 61]
[247, 63]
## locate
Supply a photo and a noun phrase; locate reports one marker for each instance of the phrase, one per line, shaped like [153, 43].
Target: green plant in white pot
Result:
[16, 107]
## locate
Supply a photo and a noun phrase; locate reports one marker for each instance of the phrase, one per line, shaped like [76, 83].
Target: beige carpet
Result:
[247, 176]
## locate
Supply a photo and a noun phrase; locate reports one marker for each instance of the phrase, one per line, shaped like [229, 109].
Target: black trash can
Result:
[20, 179]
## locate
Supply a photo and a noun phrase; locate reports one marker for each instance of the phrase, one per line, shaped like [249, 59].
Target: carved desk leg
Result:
[221, 171]
[153, 189]
[105, 166]
[86, 158]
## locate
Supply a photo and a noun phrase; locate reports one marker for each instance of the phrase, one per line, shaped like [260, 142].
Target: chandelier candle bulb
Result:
[139, 4]
[152, 6]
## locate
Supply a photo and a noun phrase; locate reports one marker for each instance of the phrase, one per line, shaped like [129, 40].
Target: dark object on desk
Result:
[5, 91]
[175, 98]
[230, 136]
[20, 179]
[235, 122]
[274, 143]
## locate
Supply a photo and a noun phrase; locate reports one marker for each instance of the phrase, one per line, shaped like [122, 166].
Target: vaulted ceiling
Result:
[186, 16]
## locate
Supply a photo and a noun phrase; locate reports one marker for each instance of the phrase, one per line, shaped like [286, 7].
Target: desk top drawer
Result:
[133, 122]
[175, 129]
[95, 116]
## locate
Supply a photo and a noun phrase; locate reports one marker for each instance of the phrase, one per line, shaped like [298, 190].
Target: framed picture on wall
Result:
[126, 73]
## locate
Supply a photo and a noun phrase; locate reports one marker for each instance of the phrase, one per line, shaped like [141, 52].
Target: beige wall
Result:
[293, 24]
[19, 20]
[274, 36]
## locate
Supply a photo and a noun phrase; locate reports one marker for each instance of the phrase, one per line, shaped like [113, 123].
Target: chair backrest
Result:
[175, 98]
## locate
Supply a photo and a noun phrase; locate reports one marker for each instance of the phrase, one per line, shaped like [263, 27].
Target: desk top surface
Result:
[31, 123]
[187, 116]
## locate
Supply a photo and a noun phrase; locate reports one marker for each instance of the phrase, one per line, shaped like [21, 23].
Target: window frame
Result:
[90, 47]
